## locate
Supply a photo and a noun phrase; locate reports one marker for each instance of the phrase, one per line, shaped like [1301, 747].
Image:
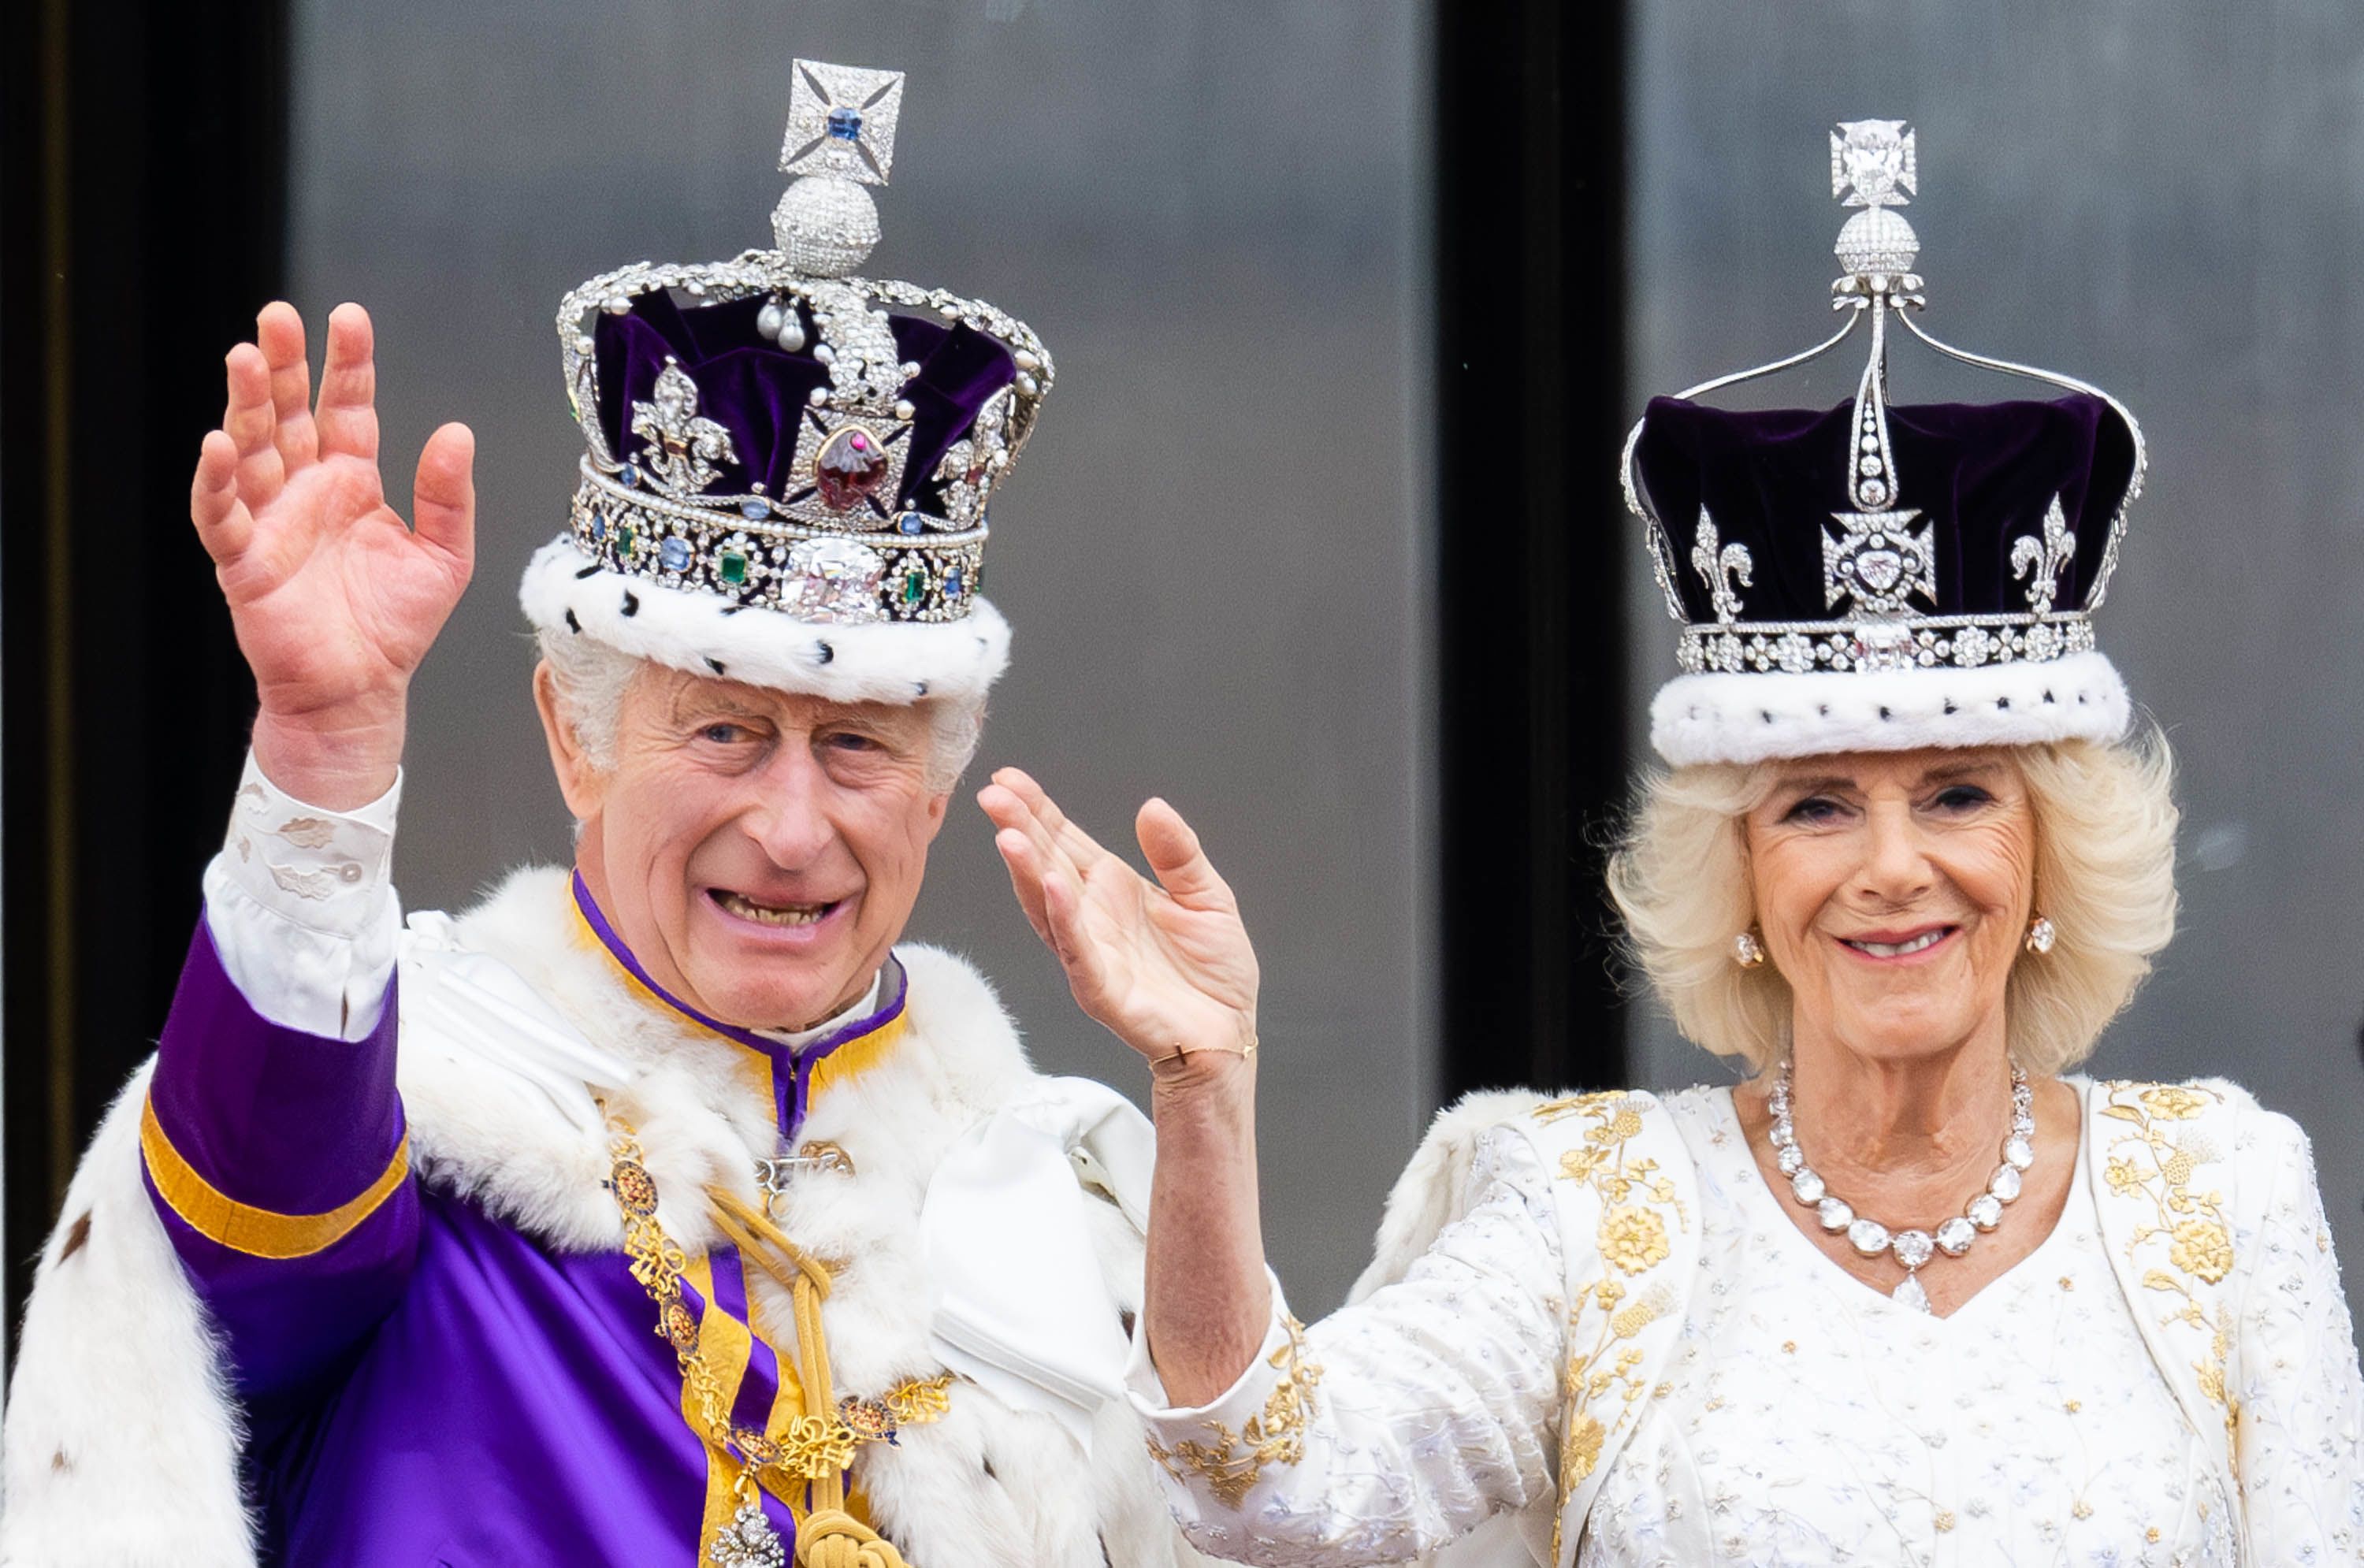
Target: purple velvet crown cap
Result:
[1982, 475]
[758, 391]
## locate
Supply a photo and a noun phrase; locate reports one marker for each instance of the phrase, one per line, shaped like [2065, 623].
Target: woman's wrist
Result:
[1203, 1085]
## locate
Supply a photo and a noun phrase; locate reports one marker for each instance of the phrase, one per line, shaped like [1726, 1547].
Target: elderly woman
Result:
[666, 1207]
[1913, 1293]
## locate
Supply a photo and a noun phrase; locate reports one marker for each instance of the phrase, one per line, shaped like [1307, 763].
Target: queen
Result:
[1914, 1292]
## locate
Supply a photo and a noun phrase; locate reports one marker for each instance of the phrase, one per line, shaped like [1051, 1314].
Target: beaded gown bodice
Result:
[1807, 1419]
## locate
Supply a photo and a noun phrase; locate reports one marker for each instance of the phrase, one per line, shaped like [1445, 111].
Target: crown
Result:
[779, 433]
[1965, 543]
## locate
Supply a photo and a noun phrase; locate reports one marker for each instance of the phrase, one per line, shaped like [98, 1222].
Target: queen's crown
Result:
[1871, 538]
[778, 432]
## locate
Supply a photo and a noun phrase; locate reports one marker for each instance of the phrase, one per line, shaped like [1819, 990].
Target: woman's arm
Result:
[1388, 1429]
[2299, 1432]
[1169, 968]
[1394, 1428]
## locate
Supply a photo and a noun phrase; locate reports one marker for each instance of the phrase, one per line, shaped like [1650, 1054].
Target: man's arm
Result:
[273, 1139]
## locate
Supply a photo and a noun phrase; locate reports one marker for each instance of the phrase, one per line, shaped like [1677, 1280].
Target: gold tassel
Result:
[830, 1537]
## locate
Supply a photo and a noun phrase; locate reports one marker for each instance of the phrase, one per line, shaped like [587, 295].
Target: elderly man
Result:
[663, 1210]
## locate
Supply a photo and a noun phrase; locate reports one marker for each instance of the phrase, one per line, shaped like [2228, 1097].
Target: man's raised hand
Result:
[335, 600]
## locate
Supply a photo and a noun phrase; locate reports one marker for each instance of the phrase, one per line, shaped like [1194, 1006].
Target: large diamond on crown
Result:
[848, 470]
[833, 581]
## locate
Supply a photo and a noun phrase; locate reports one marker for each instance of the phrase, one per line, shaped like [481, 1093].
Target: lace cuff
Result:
[302, 908]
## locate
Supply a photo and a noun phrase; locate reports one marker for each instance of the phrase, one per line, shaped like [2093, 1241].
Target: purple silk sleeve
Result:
[277, 1163]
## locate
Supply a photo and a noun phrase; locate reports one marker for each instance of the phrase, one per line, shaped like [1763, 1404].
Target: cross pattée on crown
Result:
[842, 121]
[1874, 164]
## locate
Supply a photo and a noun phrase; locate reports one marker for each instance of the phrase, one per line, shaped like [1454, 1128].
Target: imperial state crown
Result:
[788, 466]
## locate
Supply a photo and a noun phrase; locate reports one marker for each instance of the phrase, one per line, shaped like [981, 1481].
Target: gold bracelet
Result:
[1181, 1051]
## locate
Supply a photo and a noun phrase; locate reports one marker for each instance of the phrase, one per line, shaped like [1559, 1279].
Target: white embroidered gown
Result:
[1802, 1418]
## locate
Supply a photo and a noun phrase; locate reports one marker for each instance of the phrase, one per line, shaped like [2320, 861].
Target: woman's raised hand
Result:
[1166, 964]
[334, 599]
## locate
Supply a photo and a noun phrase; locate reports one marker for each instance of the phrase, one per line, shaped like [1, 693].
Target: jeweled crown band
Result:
[1964, 642]
[817, 575]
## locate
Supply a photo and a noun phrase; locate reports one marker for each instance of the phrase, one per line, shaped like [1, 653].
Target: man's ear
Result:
[583, 785]
[938, 806]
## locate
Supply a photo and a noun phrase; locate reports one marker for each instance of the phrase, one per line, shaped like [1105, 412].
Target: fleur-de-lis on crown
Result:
[2045, 561]
[1719, 563]
[684, 446]
[976, 463]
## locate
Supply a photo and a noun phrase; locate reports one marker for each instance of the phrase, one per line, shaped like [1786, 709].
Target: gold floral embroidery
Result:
[2201, 1248]
[1637, 1199]
[2170, 1103]
[1580, 1449]
[1632, 1238]
[2156, 1161]
[1233, 1463]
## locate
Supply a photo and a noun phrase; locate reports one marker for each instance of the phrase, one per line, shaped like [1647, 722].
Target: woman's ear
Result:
[582, 784]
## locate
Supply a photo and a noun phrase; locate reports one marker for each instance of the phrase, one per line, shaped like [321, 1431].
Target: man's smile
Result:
[780, 914]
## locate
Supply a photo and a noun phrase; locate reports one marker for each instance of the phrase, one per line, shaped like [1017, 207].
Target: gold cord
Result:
[820, 1445]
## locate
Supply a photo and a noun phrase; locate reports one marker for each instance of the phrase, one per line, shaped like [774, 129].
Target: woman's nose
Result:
[1896, 861]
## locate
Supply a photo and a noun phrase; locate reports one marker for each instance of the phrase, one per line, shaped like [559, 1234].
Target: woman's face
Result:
[1893, 893]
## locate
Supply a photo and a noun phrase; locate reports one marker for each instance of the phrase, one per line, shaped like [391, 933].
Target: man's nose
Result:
[785, 812]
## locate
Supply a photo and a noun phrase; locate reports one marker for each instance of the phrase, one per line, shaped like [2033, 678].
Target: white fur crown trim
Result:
[892, 662]
[1725, 718]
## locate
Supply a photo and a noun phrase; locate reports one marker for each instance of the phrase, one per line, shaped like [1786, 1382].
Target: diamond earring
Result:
[2041, 935]
[1748, 951]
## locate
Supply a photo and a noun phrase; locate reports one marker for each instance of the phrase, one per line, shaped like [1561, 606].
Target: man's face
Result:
[758, 852]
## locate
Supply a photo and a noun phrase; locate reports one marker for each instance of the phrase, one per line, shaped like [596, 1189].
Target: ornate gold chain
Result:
[813, 1447]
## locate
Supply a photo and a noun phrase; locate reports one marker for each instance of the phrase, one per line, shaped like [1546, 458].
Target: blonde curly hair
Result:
[2106, 819]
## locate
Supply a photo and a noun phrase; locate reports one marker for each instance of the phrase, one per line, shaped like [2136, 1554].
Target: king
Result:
[670, 1206]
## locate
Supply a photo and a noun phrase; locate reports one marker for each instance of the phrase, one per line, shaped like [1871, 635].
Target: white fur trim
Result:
[1434, 1186]
[895, 662]
[122, 1439]
[1729, 717]
[117, 1372]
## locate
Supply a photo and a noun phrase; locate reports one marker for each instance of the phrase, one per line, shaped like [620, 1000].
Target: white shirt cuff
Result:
[301, 906]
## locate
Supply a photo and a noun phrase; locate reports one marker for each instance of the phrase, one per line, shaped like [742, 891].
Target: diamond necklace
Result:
[1911, 1248]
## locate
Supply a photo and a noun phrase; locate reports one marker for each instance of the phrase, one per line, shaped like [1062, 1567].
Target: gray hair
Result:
[591, 679]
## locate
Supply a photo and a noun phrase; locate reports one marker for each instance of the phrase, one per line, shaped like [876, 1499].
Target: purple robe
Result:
[425, 1384]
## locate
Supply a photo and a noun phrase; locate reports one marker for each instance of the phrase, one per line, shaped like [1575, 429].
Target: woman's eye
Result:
[1813, 808]
[1962, 798]
[722, 734]
[844, 741]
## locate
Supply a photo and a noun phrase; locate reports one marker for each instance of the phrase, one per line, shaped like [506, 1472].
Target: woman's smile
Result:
[1893, 946]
